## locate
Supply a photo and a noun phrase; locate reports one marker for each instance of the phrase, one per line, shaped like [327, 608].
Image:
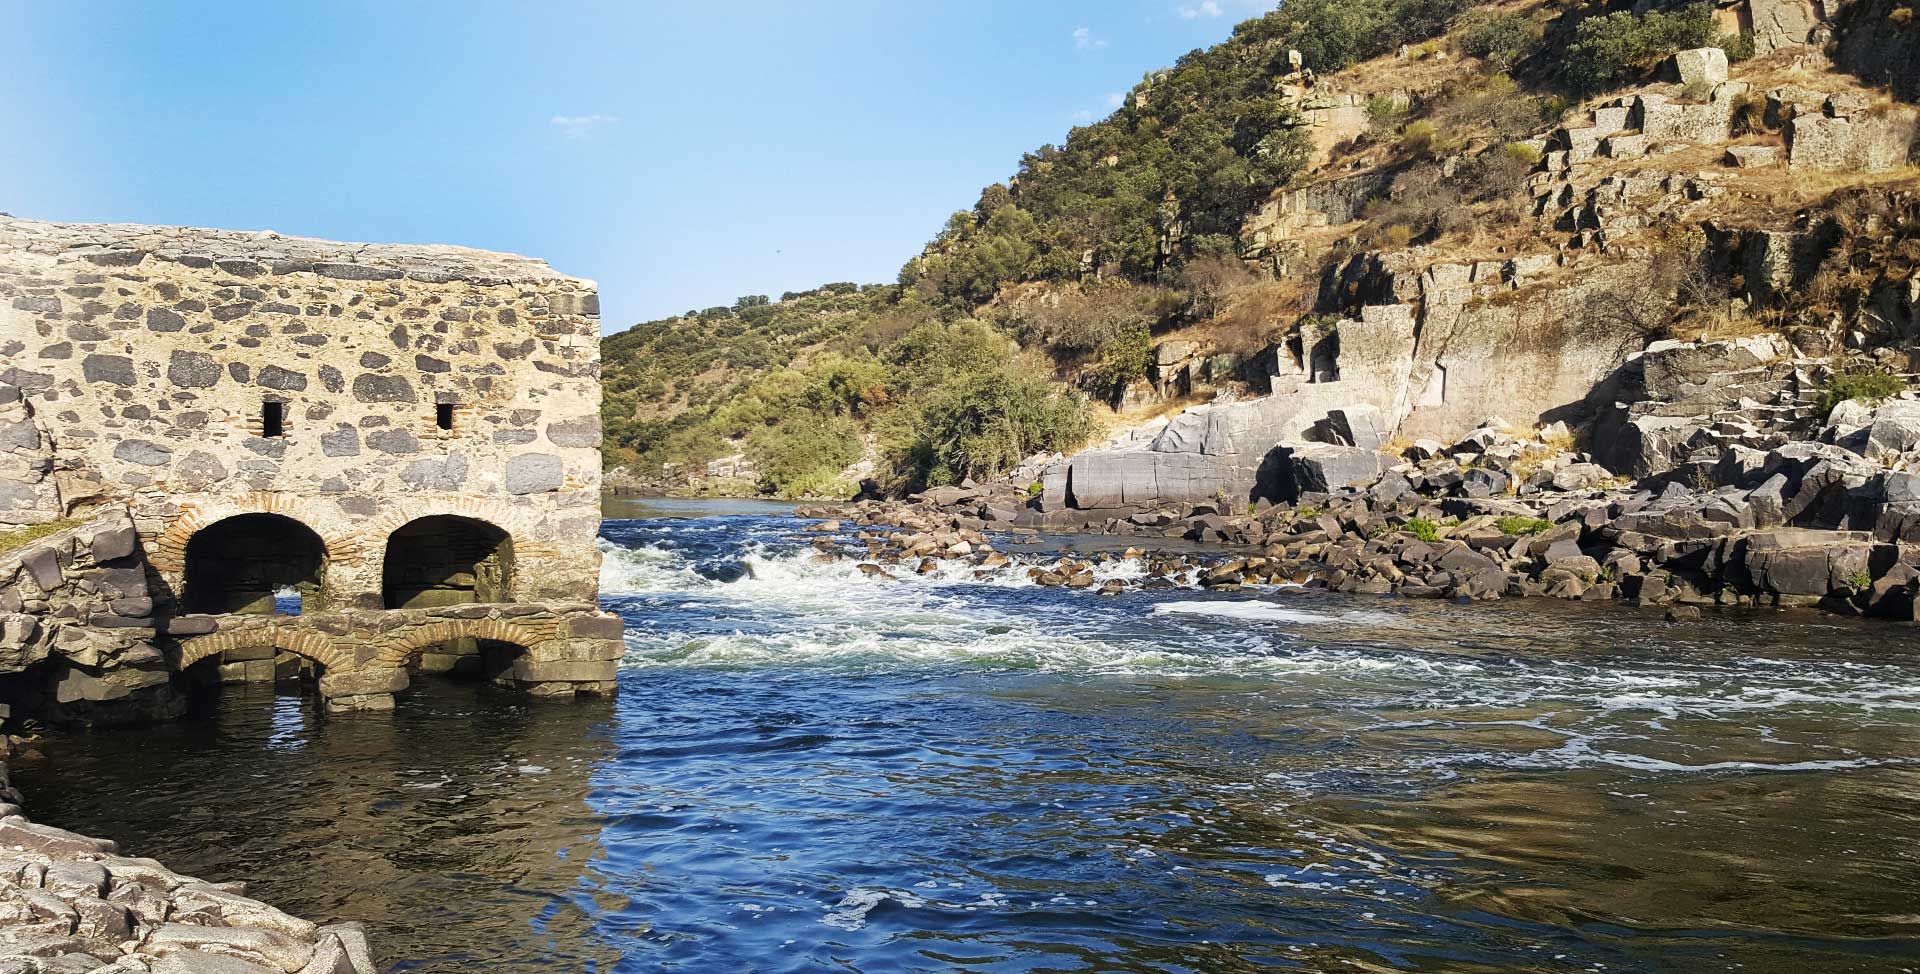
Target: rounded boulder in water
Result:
[731, 571]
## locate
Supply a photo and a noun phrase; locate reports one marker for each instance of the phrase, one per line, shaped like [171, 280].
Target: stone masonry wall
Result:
[144, 357]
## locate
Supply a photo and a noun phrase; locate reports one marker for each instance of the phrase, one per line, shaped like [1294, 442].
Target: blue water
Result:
[808, 769]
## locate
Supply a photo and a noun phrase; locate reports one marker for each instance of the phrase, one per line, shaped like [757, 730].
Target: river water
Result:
[811, 770]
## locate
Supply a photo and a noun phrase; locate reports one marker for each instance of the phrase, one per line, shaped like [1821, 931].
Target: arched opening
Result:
[446, 560]
[254, 564]
[482, 660]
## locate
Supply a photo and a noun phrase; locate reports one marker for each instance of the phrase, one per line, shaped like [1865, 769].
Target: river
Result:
[811, 770]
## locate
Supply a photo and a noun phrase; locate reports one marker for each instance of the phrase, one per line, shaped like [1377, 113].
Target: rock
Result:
[143, 452]
[533, 473]
[238, 942]
[1753, 156]
[1701, 66]
[1359, 426]
[18, 832]
[1323, 467]
[205, 962]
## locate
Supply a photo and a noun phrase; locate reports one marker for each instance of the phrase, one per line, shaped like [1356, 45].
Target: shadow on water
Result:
[457, 827]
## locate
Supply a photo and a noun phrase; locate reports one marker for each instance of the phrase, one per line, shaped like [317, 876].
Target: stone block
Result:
[572, 671]
[362, 683]
[1701, 66]
[1753, 156]
[597, 627]
[115, 543]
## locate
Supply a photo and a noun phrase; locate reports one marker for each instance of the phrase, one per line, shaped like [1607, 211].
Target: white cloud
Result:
[581, 126]
[1205, 8]
[1084, 40]
[1083, 115]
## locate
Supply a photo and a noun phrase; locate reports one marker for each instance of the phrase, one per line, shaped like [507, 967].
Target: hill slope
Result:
[1210, 235]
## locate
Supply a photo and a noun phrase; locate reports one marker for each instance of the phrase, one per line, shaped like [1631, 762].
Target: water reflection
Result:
[458, 827]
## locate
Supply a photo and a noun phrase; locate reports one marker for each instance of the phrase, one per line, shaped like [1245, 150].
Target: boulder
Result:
[1701, 66]
[1324, 467]
[1362, 426]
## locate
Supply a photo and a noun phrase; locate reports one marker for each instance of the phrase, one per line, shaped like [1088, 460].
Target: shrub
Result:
[1386, 113]
[1122, 359]
[1520, 527]
[980, 426]
[1420, 139]
[1500, 40]
[1738, 46]
[1422, 528]
[1859, 382]
[1612, 49]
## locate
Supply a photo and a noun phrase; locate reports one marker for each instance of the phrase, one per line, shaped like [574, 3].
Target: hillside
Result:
[1522, 188]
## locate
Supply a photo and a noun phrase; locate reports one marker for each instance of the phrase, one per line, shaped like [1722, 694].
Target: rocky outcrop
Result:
[73, 903]
[1880, 45]
[77, 633]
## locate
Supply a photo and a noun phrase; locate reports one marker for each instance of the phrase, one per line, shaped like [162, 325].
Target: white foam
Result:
[1262, 611]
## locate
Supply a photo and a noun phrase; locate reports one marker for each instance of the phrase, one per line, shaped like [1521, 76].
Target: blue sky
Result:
[680, 154]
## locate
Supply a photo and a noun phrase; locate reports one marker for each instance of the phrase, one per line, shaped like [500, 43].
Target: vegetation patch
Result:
[18, 538]
[1520, 526]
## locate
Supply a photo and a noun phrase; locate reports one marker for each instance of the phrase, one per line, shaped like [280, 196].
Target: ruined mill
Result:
[245, 456]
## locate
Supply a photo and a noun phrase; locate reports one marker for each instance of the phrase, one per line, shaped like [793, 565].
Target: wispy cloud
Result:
[582, 126]
[1195, 11]
[1115, 99]
[1084, 40]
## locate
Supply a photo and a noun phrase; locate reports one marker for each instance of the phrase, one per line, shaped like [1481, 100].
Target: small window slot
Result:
[443, 416]
[273, 419]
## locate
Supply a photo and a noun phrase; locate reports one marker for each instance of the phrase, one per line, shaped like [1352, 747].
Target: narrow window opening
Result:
[443, 416]
[273, 418]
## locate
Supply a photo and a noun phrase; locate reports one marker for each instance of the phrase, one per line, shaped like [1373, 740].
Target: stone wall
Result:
[147, 358]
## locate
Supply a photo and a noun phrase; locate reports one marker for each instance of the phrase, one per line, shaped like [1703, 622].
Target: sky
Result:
[680, 154]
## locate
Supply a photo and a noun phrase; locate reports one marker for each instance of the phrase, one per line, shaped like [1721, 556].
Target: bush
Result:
[1420, 139]
[1520, 527]
[1499, 40]
[1613, 49]
[1122, 359]
[1859, 382]
[982, 425]
[1422, 528]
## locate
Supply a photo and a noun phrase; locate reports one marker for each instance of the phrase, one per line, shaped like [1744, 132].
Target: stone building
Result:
[342, 460]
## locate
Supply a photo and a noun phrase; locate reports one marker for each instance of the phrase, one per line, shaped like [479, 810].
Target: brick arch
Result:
[371, 540]
[306, 643]
[170, 547]
[402, 648]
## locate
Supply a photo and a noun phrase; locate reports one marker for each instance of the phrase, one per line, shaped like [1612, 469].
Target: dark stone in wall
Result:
[393, 441]
[427, 363]
[193, 370]
[355, 272]
[61, 351]
[199, 469]
[286, 380]
[229, 312]
[239, 371]
[331, 378]
[382, 388]
[117, 369]
[344, 441]
[87, 333]
[374, 360]
[143, 452]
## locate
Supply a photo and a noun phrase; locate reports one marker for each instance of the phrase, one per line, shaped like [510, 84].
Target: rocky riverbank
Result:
[70, 904]
[1821, 523]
